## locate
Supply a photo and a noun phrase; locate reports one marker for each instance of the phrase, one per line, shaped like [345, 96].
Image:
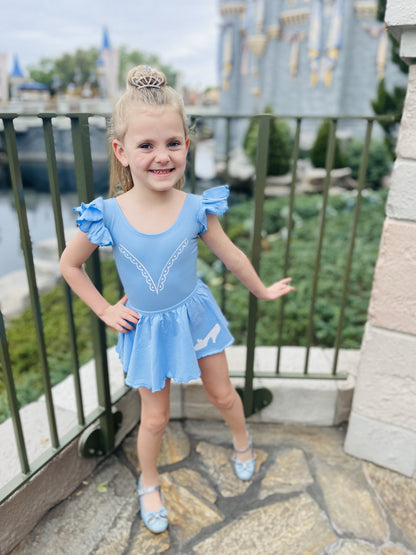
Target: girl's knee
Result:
[223, 400]
[156, 422]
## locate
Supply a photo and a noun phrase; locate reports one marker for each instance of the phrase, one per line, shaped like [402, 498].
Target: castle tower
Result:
[108, 68]
[303, 57]
[16, 78]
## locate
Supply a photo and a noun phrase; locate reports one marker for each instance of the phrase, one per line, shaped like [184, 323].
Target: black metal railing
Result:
[101, 441]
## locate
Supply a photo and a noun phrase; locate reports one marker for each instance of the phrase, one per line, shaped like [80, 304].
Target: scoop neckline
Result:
[152, 234]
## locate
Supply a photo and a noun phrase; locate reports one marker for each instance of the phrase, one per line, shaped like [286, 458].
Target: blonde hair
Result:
[147, 87]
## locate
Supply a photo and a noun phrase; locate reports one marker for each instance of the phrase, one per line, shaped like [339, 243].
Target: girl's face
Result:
[154, 147]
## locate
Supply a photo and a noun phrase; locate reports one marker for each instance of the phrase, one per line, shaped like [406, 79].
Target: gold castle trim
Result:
[293, 17]
[233, 8]
[365, 8]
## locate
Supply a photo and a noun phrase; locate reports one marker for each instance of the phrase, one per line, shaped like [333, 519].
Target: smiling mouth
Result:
[162, 172]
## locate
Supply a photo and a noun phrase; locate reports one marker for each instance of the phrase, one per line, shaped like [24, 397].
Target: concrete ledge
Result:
[384, 444]
[318, 402]
[68, 469]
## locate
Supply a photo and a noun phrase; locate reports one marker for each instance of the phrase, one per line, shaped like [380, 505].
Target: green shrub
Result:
[379, 160]
[280, 145]
[302, 263]
[21, 339]
[319, 148]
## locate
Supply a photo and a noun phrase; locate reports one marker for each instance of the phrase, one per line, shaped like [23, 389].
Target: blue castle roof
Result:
[106, 40]
[17, 70]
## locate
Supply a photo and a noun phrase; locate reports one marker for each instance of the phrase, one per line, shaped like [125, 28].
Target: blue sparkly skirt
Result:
[168, 343]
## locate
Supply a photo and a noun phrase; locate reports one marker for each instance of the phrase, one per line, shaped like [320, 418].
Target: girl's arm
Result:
[238, 263]
[76, 253]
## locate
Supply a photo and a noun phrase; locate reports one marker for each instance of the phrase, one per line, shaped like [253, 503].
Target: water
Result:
[41, 224]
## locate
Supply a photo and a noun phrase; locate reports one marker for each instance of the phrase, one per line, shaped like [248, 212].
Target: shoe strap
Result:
[149, 490]
[241, 451]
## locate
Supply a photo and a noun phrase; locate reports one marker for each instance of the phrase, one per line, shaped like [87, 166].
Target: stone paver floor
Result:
[307, 497]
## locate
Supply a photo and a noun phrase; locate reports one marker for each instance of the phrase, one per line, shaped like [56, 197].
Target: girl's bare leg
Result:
[154, 418]
[222, 394]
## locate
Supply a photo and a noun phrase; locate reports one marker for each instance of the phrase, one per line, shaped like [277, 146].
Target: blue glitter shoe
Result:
[156, 521]
[244, 470]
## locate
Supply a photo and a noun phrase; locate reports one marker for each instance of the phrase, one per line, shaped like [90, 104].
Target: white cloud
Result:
[182, 33]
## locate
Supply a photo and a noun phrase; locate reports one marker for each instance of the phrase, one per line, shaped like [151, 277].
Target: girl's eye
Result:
[145, 146]
[174, 144]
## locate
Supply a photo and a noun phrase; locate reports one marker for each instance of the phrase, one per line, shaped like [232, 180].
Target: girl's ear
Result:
[187, 143]
[118, 150]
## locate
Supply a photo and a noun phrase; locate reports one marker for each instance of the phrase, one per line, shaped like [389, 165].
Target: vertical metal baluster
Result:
[261, 173]
[84, 177]
[360, 187]
[60, 234]
[12, 398]
[16, 178]
[329, 163]
[289, 234]
[225, 217]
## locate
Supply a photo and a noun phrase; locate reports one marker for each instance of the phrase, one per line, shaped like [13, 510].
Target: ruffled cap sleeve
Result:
[91, 220]
[213, 201]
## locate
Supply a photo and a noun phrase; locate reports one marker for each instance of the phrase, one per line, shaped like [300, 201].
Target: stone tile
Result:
[109, 493]
[189, 503]
[146, 543]
[350, 505]
[289, 473]
[217, 460]
[213, 430]
[194, 482]
[296, 525]
[175, 446]
[324, 442]
[117, 537]
[355, 548]
[394, 550]
[398, 495]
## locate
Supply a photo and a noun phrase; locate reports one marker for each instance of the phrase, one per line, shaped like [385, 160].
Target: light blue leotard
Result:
[180, 321]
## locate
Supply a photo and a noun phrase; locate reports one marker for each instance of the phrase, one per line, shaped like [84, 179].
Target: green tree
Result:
[75, 68]
[80, 68]
[130, 59]
[280, 145]
[389, 103]
[319, 148]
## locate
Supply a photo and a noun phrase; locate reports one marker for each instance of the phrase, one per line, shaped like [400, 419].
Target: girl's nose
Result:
[162, 156]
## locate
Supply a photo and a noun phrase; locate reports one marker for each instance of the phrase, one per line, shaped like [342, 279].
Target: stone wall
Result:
[382, 425]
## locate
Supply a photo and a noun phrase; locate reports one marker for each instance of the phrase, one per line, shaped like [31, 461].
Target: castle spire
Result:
[17, 70]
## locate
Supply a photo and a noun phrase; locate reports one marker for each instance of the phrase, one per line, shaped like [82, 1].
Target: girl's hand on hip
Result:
[278, 289]
[120, 317]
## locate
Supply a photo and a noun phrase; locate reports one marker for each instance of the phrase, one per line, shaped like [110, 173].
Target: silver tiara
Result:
[147, 77]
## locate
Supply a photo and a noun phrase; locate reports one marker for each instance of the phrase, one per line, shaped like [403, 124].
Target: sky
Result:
[182, 33]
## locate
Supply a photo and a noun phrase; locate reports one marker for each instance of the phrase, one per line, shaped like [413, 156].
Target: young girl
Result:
[170, 326]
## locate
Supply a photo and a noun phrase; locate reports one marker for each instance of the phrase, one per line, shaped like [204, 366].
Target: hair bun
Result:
[146, 77]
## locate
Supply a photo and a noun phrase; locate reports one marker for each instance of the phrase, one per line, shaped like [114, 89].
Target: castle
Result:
[303, 57]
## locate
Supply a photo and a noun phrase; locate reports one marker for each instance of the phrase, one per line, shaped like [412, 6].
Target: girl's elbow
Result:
[238, 260]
